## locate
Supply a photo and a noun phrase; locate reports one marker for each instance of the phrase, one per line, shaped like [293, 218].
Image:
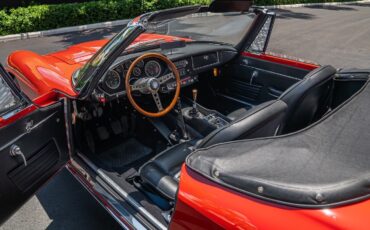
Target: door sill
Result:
[122, 193]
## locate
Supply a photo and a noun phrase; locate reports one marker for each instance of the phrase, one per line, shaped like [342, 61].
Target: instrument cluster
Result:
[114, 80]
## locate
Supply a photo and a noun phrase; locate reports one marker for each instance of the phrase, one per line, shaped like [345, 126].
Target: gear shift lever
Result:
[194, 111]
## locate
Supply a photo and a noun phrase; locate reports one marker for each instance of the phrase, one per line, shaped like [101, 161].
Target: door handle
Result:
[254, 75]
[15, 151]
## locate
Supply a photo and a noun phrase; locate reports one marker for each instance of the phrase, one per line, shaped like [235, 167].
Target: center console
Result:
[205, 122]
[201, 119]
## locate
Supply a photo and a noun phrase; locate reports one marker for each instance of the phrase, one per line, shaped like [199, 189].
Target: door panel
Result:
[32, 149]
[41, 137]
[255, 81]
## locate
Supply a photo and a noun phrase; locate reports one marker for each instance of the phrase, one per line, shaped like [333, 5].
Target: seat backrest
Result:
[308, 100]
[261, 121]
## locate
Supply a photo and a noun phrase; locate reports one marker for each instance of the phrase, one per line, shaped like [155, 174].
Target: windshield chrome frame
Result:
[85, 78]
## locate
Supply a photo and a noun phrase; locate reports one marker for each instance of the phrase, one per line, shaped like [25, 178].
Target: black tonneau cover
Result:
[327, 164]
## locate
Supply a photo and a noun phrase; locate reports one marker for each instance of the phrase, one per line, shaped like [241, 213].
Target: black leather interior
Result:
[302, 104]
[255, 81]
[237, 113]
[309, 99]
[261, 121]
[162, 171]
[322, 166]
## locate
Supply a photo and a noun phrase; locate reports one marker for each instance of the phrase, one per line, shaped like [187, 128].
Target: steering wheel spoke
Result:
[135, 88]
[165, 78]
[157, 101]
[139, 85]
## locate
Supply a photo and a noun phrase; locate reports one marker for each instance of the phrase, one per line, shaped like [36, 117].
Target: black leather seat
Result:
[299, 106]
[308, 100]
[163, 171]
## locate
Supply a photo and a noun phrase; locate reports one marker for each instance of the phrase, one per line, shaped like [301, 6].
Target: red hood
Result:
[44, 73]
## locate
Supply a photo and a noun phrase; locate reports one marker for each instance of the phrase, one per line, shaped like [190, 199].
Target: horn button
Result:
[153, 85]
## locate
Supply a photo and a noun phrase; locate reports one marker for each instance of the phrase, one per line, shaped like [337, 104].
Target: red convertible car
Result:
[183, 121]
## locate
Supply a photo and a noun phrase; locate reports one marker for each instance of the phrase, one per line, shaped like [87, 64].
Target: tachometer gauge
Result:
[112, 79]
[153, 69]
[137, 72]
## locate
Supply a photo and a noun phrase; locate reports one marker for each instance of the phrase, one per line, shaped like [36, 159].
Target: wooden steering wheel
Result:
[152, 85]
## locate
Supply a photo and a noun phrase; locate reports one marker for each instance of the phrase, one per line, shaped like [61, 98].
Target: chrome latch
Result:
[29, 126]
[16, 151]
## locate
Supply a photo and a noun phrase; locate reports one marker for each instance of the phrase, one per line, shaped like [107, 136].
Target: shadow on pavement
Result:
[70, 206]
[328, 7]
[89, 35]
[359, 4]
[287, 14]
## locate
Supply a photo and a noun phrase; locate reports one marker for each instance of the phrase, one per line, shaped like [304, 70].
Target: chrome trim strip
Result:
[122, 193]
[135, 222]
[99, 189]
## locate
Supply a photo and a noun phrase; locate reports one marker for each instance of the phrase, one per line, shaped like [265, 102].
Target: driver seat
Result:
[163, 171]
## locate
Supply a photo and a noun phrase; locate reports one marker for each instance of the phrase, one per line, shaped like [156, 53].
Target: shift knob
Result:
[195, 95]
[194, 111]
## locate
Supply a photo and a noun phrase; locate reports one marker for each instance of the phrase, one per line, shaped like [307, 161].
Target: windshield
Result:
[227, 28]
[82, 76]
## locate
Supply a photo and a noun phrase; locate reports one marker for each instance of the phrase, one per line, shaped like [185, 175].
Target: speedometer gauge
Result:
[137, 72]
[113, 79]
[153, 69]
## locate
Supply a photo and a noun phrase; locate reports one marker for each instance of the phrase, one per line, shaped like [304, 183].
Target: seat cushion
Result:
[163, 171]
[308, 100]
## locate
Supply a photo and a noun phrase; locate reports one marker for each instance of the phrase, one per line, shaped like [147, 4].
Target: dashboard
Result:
[190, 61]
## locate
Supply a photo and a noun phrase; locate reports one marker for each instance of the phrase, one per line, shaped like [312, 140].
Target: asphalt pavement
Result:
[336, 35]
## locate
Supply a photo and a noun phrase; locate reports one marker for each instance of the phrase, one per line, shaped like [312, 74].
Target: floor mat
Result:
[124, 154]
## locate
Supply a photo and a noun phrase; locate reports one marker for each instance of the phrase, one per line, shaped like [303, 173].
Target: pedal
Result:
[102, 133]
[125, 128]
[116, 127]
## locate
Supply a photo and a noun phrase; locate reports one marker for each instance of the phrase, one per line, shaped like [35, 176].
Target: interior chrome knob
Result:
[195, 95]
[194, 111]
[16, 151]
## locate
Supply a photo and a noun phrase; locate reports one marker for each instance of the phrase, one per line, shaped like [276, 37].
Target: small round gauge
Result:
[127, 64]
[137, 72]
[113, 79]
[140, 64]
[153, 69]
